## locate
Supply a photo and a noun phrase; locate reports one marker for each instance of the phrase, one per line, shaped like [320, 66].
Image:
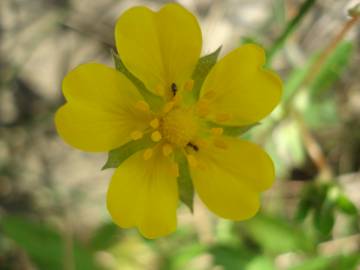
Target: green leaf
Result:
[45, 246]
[185, 184]
[105, 236]
[331, 69]
[344, 204]
[277, 235]
[120, 154]
[154, 101]
[202, 69]
[303, 209]
[324, 217]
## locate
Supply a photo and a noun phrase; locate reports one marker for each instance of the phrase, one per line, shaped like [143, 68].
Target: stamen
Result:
[217, 131]
[192, 161]
[223, 117]
[189, 85]
[167, 149]
[209, 94]
[155, 123]
[220, 144]
[136, 135]
[156, 136]
[175, 170]
[142, 106]
[148, 154]
[168, 106]
[203, 108]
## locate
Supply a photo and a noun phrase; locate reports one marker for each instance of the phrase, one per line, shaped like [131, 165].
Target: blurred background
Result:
[52, 197]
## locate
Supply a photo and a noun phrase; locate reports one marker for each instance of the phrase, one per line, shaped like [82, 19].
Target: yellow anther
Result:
[203, 108]
[142, 106]
[156, 136]
[155, 123]
[223, 117]
[192, 161]
[167, 149]
[189, 85]
[175, 170]
[217, 131]
[209, 94]
[159, 89]
[169, 106]
[136, 135]
[220, 144]
[148, 153]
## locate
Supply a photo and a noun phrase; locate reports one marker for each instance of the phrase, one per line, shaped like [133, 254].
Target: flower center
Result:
[179, 127]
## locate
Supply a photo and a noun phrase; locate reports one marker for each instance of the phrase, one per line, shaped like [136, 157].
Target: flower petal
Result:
[229, 180]
[241, 88]
[160, 48]
[100, 113]
[144, 194]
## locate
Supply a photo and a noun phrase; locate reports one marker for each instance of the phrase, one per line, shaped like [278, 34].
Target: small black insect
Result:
[193, 146]
[173, 88]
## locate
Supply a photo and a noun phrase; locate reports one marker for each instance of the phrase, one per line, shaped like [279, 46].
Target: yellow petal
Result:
[144, 194]
[232, 178]
[241, 88]
[100, 114]
[160, 48]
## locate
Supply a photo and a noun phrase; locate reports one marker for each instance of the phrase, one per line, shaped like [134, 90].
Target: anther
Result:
[217, 131]
[167, 149]
[142, 106]
[174, 89]
[223, 117]
[209, 94]
[203, 108]
[192, 161]
[155, 123]
[189, 85]
[156, 136]
[168, 106]
[220, 144]
[136, 135]
[148, 153]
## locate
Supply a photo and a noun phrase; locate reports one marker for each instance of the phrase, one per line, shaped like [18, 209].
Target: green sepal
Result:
[185, 184]
[120, 154]
[155, 102]
[202, 69]
[233, 131]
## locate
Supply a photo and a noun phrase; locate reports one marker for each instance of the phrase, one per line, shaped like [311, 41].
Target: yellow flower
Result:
[105, 110]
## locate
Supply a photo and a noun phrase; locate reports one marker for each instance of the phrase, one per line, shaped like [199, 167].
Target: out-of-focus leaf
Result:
[322, 113]
[185, 184]
[324, 217]
[230, 258]
[202, 69]
[261, 263]
[119, 155]
[276, 235]
[342, 262]
[181, 258]
[44, 245]
[303, 209]
[332, 68]
[105, 236]
[345, 205]
[153, 100]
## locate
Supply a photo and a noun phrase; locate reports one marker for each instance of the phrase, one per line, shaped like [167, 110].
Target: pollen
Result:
[209, 94]
[189, 85]
[223, 117]
[167, 149]
[192, 161]
[203, 108]
[136, 135]
[155, 123]
[168, 106]
[179, 127]
[156, 136]
[148, 154]
[220, 144]
[142, 106]
[217, 131]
